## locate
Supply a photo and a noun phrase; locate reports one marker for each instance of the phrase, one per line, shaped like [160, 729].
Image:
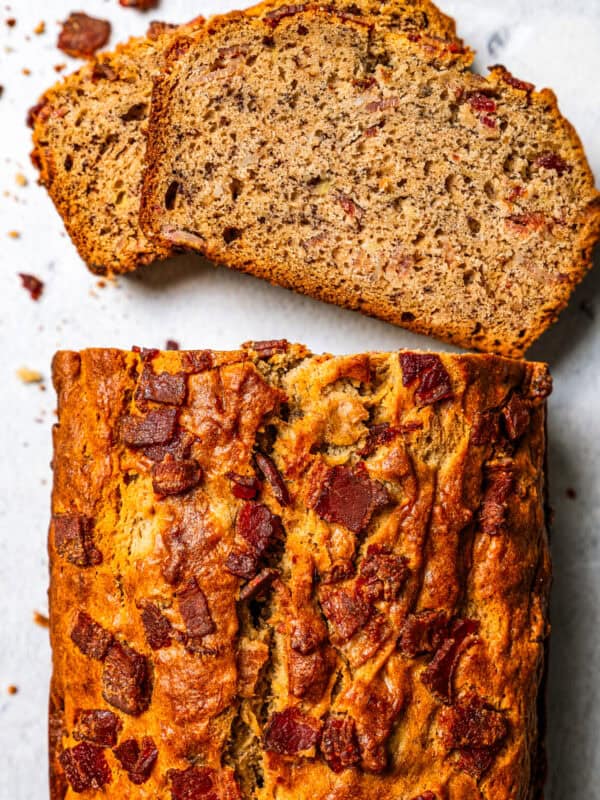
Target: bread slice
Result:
[370, 168]
[89, 134]
[278, 575]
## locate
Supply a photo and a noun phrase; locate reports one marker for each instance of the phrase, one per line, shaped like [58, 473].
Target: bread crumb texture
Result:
[284, 575]
[368, 167]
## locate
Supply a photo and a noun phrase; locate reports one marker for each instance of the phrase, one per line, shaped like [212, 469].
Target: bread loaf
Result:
[284, 575]
[368, 167]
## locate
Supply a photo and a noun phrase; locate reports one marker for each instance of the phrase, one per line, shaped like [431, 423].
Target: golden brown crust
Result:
[512, 282]
[262, 560]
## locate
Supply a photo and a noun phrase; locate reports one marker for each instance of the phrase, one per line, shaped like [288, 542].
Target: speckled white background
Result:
[555, 43]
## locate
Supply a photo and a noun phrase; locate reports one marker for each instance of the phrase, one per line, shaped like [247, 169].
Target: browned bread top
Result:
[275, 574]
[370, 168]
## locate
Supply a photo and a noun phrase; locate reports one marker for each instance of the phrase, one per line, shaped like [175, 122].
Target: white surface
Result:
[551, 43]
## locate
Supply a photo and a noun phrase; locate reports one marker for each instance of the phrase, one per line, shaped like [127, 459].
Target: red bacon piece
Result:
[85, 767]
[273, 476]
[348, 496]
[338, 744]
[437, 677]
[156, 427]
[74, 539]
[434, 382]
[137, 761]
[289, 732]
[98, 726]
[126, 681]
[90, 637]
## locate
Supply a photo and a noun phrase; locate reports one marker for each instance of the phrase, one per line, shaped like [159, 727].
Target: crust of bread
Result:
[585, 219]
[310, 415]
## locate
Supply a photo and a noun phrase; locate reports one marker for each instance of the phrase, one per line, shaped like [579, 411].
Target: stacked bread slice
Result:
[345, 151]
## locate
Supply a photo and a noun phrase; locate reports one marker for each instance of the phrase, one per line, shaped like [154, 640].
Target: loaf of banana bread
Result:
[370, 168]
[284, 575]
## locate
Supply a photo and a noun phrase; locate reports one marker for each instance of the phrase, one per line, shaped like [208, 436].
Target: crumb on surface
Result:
[21, 179]
[40, 28]
[14, 234]
[12, 689]
[27, 375]
[41, 619]
[571, 493]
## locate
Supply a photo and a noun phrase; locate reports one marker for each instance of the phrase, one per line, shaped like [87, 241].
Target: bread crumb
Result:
[59, 67]
[26, 71]
[12, 689]
[40, 28]
[41, 619]
[11, 22]
[21, 179]
[14, 234]
[27, 375]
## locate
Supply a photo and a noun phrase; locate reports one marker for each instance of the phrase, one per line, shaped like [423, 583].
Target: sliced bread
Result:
[368, 167]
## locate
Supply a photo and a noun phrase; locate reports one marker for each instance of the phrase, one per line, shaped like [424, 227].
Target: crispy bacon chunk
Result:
[172, 477]
[273, 18]
[346, 612]
[426, 796]
[552, 161]
[74, 539]
[244, 487]
[203, 783]
[85, 767]
[516, 83]
[273, 476]
[82, 35]
[437, 677]
[380, 710]
[259, 584]
[158, 629]
[379, 435]
[481, 102]
[486, 428]
[156, 427]
[348, 496]
[90, 637]
[137, 761]
[194, 610]
[338, 744]
[309, 674]
[33, 285]
[434, 382]
[516, 417]
[423, 632]
[126, 681]
[141, 5]
[474, 729]
[98, 726]
[178, 448]
[258, 529]
[197, 361]
[307, 632]
[382, 574]
[162, 388]
[290, 732]
[499, 483]
[242, 564]
[340, 570]
[268, 347]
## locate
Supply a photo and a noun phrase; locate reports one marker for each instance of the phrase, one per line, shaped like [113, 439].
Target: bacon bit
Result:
[156, 427]
[197, 361]
[259, 584]
[82, 35]
[434, 380]
[369, 639]
[426, 796]
[348, 496]
[268, 347]
[41, 619]
[476, 730]
[259, 527]
[141, 5]
[516, 417]
[273, 476]
[423, 632]
[340, 571]
[273, 18]
[382, 574]
[374, 727]
[346, 612]
[489, 122]
[245, 487]
[161, 388]
[99, 726]
[193, 607]
[85, 767]
[515, 193]
[309, 674]
[290, 732]
[350, 207]
[172, 344]
[202, 783]
[383, 104]
[146, 353]
[126, 681]
[157, 627]
[137, 761]
[176, 477]
[241, 564]
[308, 631]
[338, 744]
[178, 449]
[437, 677]
[90, 637]
[499, 482]
[74, 539]
[481, 102]
[524, 223]
[486, 428]
[514, 82]
[552, 161]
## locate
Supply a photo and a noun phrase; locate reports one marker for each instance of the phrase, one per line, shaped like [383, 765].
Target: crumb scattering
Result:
[12, 689]
[27, 375]
[41, 619]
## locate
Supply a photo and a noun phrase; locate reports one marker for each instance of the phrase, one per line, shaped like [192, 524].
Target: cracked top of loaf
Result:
[284, 575]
